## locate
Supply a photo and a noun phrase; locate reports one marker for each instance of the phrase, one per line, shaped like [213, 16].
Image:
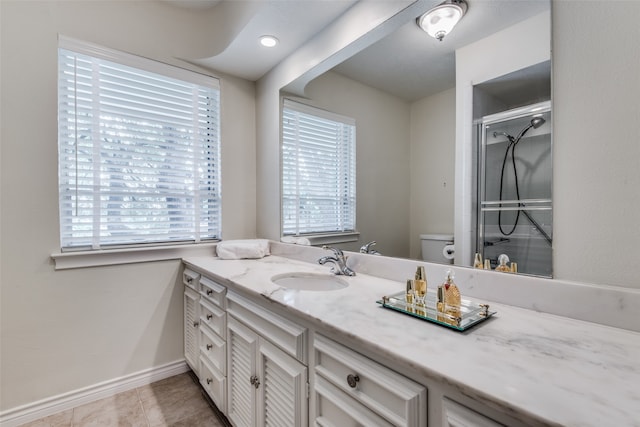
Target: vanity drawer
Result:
[213, 317]
[395, 398]
[213, 348]
[213, 292]
[289, 336]
[214, 383]
[190, 278]
[456, 415]
[334, 408]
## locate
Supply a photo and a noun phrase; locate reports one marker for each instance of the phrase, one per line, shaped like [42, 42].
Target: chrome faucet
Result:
[339, 261]
[366, 249]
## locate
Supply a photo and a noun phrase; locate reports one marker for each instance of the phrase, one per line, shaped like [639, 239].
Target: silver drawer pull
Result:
[352, 380]
[209, 291]
[209, 316]
[209, 346]
[209, 380]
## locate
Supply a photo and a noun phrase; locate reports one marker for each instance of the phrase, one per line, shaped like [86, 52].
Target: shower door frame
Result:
[480, 182]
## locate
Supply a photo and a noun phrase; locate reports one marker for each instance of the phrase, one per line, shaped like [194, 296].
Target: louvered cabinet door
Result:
[282, 393]
[242, 346]
[191, 332]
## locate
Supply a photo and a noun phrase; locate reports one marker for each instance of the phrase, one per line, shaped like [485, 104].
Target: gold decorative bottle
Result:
[503, 260]
[452, 298]
[420, 285]
[477, 262]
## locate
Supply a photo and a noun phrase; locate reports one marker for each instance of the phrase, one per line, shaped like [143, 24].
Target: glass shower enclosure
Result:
[514, 188]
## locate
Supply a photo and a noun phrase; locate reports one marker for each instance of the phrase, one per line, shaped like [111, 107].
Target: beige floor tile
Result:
[165, 411]
[173, 402]
[61, 419]
[121, 410]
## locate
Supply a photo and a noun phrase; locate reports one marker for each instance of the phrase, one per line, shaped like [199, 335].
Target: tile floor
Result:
[176, 401]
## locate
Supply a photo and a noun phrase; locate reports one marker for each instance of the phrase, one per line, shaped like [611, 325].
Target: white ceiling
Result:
[293, 22]
[410, 64]
[407, 63]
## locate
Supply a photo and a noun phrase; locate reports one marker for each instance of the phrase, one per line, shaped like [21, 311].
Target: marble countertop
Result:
[540, 368]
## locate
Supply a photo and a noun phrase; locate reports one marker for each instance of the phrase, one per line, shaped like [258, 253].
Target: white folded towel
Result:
[243, 249]
[295, 240]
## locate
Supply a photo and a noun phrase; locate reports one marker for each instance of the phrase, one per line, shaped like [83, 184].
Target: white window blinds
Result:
[138, 150]
[318, 171]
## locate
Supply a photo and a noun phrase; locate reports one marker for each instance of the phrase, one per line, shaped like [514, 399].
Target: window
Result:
[138, 150]
[318, 171]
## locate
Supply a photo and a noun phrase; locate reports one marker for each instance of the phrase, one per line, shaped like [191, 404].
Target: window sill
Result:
[329, 239]
[84, 259]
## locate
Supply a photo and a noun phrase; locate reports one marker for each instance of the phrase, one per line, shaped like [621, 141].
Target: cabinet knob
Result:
[196, 324]
[209, 291]
[255, 381]
[209, 316]
[209, 380]
[352, 380]
[189, 279]
[209, 346]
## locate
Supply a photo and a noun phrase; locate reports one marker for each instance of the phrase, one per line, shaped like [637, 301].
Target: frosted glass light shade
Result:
[440, 20]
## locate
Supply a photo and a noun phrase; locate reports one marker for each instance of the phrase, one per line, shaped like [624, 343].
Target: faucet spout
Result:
[338, 260]
[367, 249]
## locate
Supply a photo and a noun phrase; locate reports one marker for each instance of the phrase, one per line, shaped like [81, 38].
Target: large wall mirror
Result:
[415, 183]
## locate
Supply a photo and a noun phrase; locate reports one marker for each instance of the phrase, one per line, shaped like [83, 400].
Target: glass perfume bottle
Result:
[420, 285]
[452, 298]
[477, 262]
[503, 260]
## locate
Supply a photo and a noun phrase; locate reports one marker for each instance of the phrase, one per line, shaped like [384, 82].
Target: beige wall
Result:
[63, 330]
[596, 141]
[382, 158]
[432, 165]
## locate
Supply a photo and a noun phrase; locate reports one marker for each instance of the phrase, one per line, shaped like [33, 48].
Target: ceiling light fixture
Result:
[268, 41]
[439, 21]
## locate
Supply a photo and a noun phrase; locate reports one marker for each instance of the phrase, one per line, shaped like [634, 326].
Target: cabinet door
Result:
[242, 344]
[191, 333]
[282, 391]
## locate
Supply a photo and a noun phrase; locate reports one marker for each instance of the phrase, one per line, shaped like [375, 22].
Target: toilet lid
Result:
[447, 237]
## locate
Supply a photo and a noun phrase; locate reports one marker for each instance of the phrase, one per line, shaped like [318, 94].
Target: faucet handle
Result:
[366, 248]
[336, 251]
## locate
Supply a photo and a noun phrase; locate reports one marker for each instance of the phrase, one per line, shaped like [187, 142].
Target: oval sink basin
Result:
[309, 281]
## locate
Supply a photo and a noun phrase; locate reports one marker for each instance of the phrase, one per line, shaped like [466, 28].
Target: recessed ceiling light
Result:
[268, 41]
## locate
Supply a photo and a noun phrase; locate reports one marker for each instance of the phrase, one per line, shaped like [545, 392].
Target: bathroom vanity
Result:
[336, 358]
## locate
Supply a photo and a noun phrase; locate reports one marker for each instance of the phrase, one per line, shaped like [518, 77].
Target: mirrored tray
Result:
[470, 313]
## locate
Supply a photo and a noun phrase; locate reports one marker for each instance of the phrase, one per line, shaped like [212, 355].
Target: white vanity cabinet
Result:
[267, 375]
[205, 334]
[351, 390]
[191, 318]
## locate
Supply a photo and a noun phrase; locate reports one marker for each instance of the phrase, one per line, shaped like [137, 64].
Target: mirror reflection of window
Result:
[318, 171]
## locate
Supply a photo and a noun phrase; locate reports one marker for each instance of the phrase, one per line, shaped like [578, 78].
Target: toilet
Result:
[437, 248]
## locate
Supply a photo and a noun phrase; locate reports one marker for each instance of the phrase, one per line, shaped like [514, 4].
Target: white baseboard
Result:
[45, 407]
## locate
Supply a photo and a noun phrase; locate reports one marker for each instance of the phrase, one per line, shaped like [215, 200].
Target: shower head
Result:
[536, 122]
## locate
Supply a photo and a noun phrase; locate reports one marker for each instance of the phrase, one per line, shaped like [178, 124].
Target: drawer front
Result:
[214, 349]
[335, 409]
[213, 292]
[214, 383]
[287, 335]
[190, 278]
[395, 398]
[213, 317]
[456, 415]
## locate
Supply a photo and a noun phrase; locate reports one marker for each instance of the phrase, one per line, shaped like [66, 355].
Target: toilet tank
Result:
[433, 248]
